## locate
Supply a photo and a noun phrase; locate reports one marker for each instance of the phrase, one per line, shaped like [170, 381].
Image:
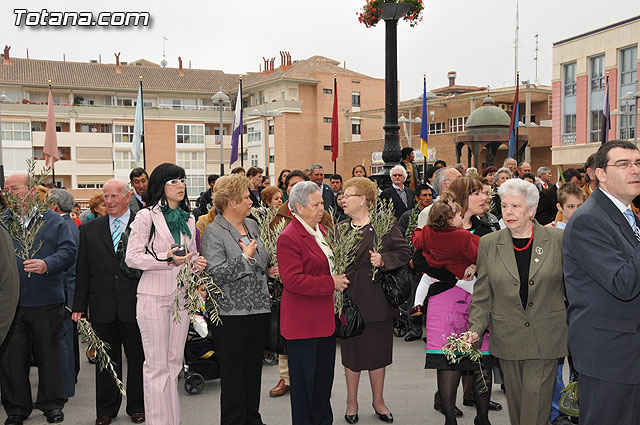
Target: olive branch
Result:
[193, 281]
[269, 234]
[343, 240]
[456, 348]
[30, 209]
[382, 221]
[104, 362]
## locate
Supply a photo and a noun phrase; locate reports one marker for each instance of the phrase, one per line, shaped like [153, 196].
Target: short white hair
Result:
[300, 194]
[518, 187]
[401, 168]
[126, 187]
[502, 170]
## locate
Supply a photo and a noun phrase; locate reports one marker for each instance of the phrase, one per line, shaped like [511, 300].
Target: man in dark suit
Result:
[111, 300]
[601, 262]
[548, 205]
[401, 196]
[38, 319]
[139, 181]
[316, 175]
[63, 204]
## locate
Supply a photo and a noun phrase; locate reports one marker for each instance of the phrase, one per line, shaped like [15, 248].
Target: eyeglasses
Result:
[624, 164]
[175, 182]
[349, 195]
[397, 175]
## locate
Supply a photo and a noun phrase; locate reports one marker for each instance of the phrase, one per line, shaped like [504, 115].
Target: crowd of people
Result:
[528, 270]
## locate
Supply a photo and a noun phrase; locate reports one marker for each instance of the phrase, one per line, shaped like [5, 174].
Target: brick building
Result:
[95, 107]
[580, 66]
[448, 114]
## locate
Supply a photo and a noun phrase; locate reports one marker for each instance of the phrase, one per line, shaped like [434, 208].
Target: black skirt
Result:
[439, 361]
[371, 350]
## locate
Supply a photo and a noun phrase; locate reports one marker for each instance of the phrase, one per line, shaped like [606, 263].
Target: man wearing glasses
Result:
[401, 195]
[601, 261]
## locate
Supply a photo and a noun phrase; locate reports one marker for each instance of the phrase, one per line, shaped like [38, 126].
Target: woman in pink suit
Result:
[306, 319]
[164, 222]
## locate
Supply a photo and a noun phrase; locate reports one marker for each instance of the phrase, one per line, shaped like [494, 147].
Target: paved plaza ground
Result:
[409, 392]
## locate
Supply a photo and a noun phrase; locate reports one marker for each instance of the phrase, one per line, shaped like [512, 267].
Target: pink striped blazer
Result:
[158, 277]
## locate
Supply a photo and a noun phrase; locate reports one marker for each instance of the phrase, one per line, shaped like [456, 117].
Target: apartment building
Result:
[95, 107]
[581, 65]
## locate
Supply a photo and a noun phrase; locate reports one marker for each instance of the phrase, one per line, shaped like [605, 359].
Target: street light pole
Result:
[220, 98]
[266, 114]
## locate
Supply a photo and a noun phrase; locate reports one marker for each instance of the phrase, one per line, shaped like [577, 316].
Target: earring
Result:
[362, 204]
[234, 207]
[163, 202]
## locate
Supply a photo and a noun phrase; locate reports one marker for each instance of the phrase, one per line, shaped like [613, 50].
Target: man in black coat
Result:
[37, 323]
[401, 195]
[601, 262]
[63, 204]
[110, 298]
[316, 175]
[139, 179]
[548, 204]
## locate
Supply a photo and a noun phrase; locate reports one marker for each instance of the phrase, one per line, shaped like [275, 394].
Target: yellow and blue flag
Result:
[424, 126]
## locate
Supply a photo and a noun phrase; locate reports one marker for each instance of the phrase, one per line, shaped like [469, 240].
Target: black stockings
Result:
[448, 381]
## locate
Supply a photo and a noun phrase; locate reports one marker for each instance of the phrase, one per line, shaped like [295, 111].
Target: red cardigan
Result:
[307, 299]
[450, 247]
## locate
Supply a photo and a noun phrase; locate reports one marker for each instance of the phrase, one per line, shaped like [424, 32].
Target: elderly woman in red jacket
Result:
[306, 319]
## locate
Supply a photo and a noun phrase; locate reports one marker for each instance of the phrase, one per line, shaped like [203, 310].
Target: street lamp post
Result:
[3, 99]
[410, 121]
[220, 99]
[392, 12]
[630, 114]
[266, 114]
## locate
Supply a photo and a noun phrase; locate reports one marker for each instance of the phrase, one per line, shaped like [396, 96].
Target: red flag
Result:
[50, 138]
[334, 122]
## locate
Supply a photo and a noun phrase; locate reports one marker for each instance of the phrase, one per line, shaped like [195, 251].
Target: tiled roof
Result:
[154, 77]
[302, 70]
[457, 88]
[94, 75]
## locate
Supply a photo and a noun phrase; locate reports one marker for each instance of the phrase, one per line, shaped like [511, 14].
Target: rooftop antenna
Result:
[536, 59]
[163, 62]
[516, 41]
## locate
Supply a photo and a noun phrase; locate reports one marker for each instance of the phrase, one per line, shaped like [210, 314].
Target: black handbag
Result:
[396, 285]
[350, 323]
[275, 341]
[121, 254]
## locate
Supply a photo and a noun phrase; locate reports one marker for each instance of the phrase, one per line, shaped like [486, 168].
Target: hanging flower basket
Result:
[374, 10]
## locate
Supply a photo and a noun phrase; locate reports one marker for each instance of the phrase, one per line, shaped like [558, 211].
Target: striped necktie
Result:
[631, 218]
[116, 233]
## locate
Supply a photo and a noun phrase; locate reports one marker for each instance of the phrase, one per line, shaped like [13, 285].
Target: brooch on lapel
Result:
[539, 250]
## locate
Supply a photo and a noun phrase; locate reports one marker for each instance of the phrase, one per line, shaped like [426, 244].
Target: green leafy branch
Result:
[193, 281]
[456, 348]
[382, 221]
[269, 234]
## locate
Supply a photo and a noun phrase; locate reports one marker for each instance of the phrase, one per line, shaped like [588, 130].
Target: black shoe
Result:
[351, 419]
[411, 337]
[54, 416]
[384, 417]
[438, 407]
[561, 420]
[15, 420]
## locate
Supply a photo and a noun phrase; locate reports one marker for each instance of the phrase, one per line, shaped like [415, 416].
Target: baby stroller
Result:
[200, 362]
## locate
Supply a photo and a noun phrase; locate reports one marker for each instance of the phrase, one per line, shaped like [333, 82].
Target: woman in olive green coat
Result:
[518, 296]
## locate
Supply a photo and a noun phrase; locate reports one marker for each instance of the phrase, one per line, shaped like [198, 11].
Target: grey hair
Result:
[471, 171]
[401, 168]
[439, 177]
[504, 164]
[300, 194]
[63, 199]
[126, 187]
[501, 170]
[518, 187]
[543, 170]
[315, 167]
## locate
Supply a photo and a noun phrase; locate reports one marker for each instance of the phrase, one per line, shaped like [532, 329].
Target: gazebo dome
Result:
[488, 115]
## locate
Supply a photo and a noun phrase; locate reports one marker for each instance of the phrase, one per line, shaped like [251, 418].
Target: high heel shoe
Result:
[384, 417]
[352, 419]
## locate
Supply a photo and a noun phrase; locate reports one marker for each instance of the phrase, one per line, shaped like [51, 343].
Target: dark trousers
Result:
[311, 367]
[40, 328]
[239, 342]
[604, 402]
[67, 362]
[108, 398]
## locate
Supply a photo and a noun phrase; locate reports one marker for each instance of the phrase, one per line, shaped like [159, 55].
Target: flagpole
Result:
[515, 108]
[424, 93]
[144, 146]
[241, 130]
[335, 90]
[53, 163]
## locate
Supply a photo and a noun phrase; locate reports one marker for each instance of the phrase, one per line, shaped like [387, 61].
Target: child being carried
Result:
[444, 243]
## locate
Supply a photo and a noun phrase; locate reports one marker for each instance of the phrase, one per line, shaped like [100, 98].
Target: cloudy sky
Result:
[474, 38]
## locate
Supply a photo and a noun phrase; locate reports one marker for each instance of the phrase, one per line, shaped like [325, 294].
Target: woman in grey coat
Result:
[238, 263]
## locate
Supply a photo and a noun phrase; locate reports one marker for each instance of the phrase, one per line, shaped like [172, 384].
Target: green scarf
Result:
[176, 221]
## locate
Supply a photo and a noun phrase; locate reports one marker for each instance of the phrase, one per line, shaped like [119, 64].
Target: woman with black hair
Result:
[162, 240]
[359, 171]
[281, 183]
